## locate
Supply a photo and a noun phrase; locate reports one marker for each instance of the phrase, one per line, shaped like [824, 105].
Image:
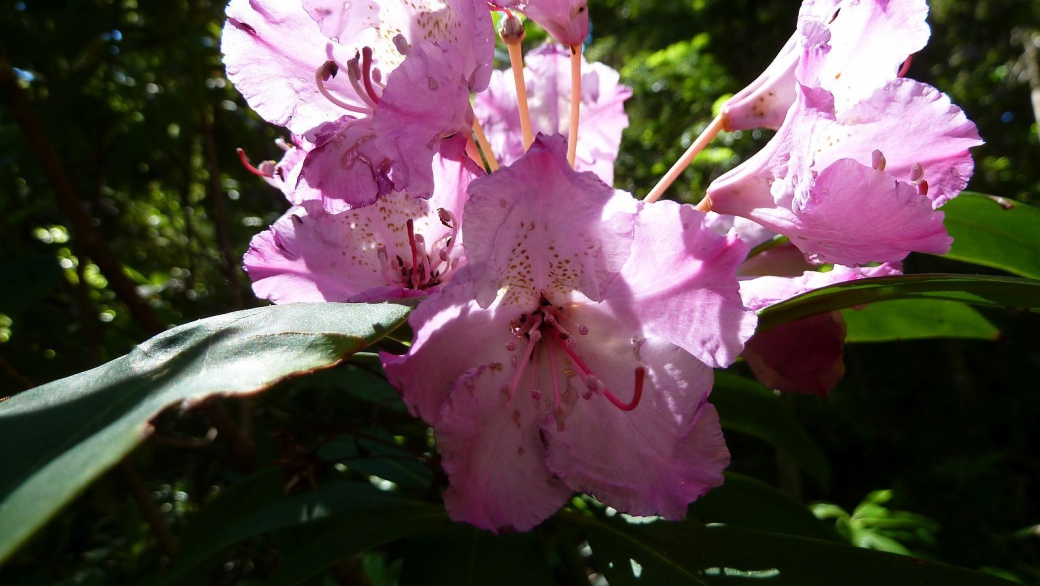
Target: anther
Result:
[583, 330]
[877, 160]
[916, 172]
[402, 45]
[512, 30]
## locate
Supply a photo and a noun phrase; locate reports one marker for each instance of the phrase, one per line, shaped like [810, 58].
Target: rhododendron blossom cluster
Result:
[566, 332]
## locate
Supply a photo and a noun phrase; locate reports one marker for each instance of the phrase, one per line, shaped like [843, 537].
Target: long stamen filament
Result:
[485, 146]
[572, 135]
[366, 73]
[637, 395]
[512, 33]
[684, 161]
[415, 254]
[354, 75]
[535, 336]
[323, 73]
[266, 168]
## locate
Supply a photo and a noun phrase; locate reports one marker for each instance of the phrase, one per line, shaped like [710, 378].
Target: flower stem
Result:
[485, 146]
[572, 136]
[684, 161]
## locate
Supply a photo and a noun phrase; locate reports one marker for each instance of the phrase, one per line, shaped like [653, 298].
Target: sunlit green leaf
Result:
[1009, 292]
[750, 408]
[911, 319]
[57, 438]
[995, 232]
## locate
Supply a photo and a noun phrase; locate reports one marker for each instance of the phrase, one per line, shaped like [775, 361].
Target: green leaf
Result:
[689, 553]
[352, 534]
[912, 319]
[463, 555]
[1009, 292]
[750, 408]
[56, 439]
[751, 503]
[259, 505]
[994, 232]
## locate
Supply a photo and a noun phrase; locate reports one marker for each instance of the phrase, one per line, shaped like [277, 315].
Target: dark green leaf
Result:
[911, 319]
[750, 408]
[751, 503]
[463, 555]
[259, 504]
[995, 232]
[352, 534]
[57, 438]
[689, 553]
[981, 290]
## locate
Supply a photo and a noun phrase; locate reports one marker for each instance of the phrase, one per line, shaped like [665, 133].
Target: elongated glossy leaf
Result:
[913, 319]
[995, 232]
[353, 534]
[260, 505]
[1009, 292]
[688, 553]
[747, 502]
[57, 438]
[462, 555]
[750, 408]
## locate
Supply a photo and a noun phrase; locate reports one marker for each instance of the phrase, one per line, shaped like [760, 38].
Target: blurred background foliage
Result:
[125, 209]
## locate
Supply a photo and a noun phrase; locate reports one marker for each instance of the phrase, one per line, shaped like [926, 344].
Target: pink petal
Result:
[463, 23]
[311, 255]
[425, 101]
[839, 211]
[761, 292]
[856, 214]
[272, 50]
[870, 40]
[656, 458]
[494, 457]
[679, 283]
[566, 20]
[452, 336]
[547, 74]
[849, 48]
[540, 228]
[910, 123]
[345, 169]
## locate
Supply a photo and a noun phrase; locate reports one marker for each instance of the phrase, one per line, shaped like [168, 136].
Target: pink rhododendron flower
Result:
[401, 246]
[547, 73]
[577, 355]
[566, 20]
[867, 41]
[827, 181]
[356, 81]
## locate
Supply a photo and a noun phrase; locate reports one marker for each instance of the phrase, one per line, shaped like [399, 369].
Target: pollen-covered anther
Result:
[583, 329]
[877, 160]
[512, 30]
[917, 179]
